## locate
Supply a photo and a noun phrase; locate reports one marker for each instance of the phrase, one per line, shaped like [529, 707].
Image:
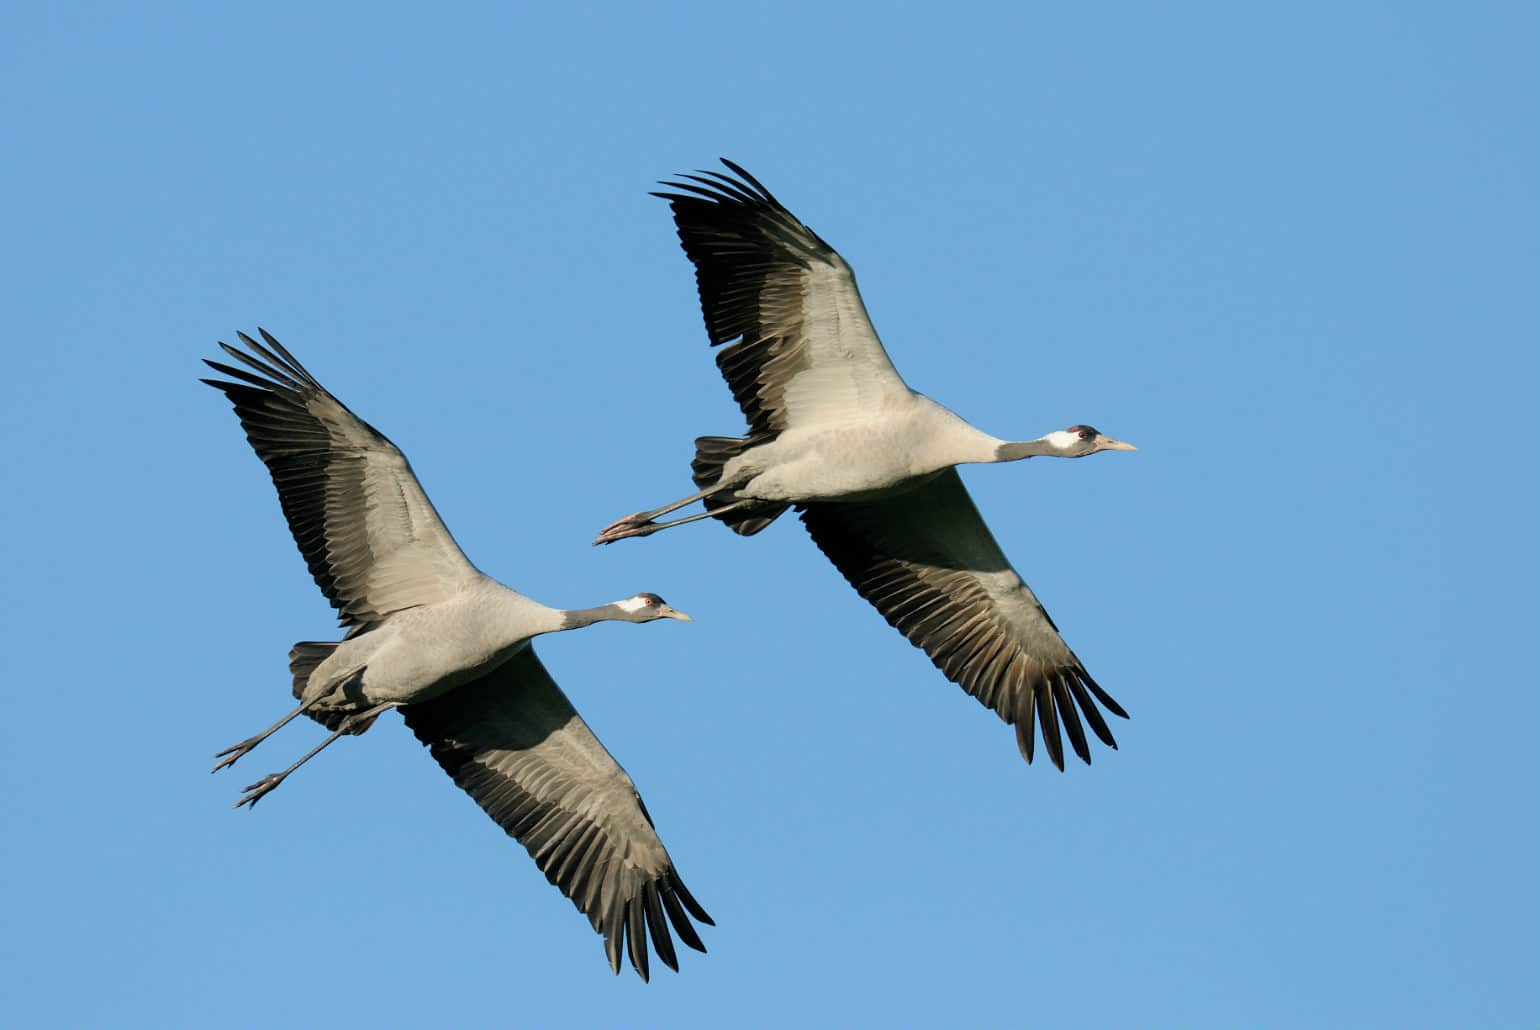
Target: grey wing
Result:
[371, 537]
[514, 743]
[806, 350]
[927, 562]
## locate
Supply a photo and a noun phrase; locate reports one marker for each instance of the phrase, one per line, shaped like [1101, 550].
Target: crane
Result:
[870, 464]
[430, 634]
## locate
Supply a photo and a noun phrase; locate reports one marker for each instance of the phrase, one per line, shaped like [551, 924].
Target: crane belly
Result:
[854, 462]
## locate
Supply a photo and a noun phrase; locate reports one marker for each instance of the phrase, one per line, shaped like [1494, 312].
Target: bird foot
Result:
[257, 791]
[236, 752]
[631, 525]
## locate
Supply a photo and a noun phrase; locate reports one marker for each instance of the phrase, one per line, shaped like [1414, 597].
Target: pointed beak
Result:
[1107, 443]
[675, 613]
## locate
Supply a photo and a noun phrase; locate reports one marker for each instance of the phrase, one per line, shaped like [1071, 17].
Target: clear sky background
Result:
[1291, 254]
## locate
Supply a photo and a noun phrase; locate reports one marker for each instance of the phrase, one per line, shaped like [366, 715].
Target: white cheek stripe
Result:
[632, 604]
[1063, 439]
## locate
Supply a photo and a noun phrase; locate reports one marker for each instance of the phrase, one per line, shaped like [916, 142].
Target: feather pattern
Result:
[805, 348]
[515, 744]
[368, 532]
[927, 562]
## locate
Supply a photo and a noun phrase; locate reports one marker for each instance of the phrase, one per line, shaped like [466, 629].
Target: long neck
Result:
[1018, 449]
[577, 618]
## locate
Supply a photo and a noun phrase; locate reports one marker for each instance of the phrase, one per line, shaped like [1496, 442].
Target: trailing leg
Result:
[743, 515]
[622, 528]
[256, 791]
[621, 531]
[235, 752]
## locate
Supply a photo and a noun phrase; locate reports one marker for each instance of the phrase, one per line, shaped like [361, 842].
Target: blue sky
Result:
[1291, 254]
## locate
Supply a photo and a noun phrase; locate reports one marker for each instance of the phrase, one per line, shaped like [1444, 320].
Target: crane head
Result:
[1078, 441]
[645, 607]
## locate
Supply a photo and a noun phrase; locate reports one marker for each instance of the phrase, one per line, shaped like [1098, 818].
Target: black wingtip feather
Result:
[271, 368]
[1026, 701]
[743, 174]
[289, 359]
[1093, 714]
[251, 380]
[662, 943]
[706, 193]
[1071, 720]
[1026, 740]
[720, 187]
[612, 950]
[277, 357]
[614, 936]
[681, 921]
[1048, 719]
[636, 937]
[1102, 696]
[690, 903]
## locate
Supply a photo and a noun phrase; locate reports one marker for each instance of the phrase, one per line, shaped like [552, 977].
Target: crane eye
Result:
[1086, 432]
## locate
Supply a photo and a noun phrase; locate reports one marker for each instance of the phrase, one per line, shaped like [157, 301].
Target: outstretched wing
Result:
[515, 744]
[927, 562]
[368, 532]
[806, 351]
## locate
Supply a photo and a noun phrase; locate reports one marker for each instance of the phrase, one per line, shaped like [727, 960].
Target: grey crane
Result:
[869, 463]
[432, 635]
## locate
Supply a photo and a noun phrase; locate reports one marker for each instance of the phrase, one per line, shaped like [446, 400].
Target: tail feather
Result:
[712, 453]
[303, 658]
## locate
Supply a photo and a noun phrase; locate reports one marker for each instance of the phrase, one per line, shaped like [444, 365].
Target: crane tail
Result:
[303, 659]
[712, 453]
